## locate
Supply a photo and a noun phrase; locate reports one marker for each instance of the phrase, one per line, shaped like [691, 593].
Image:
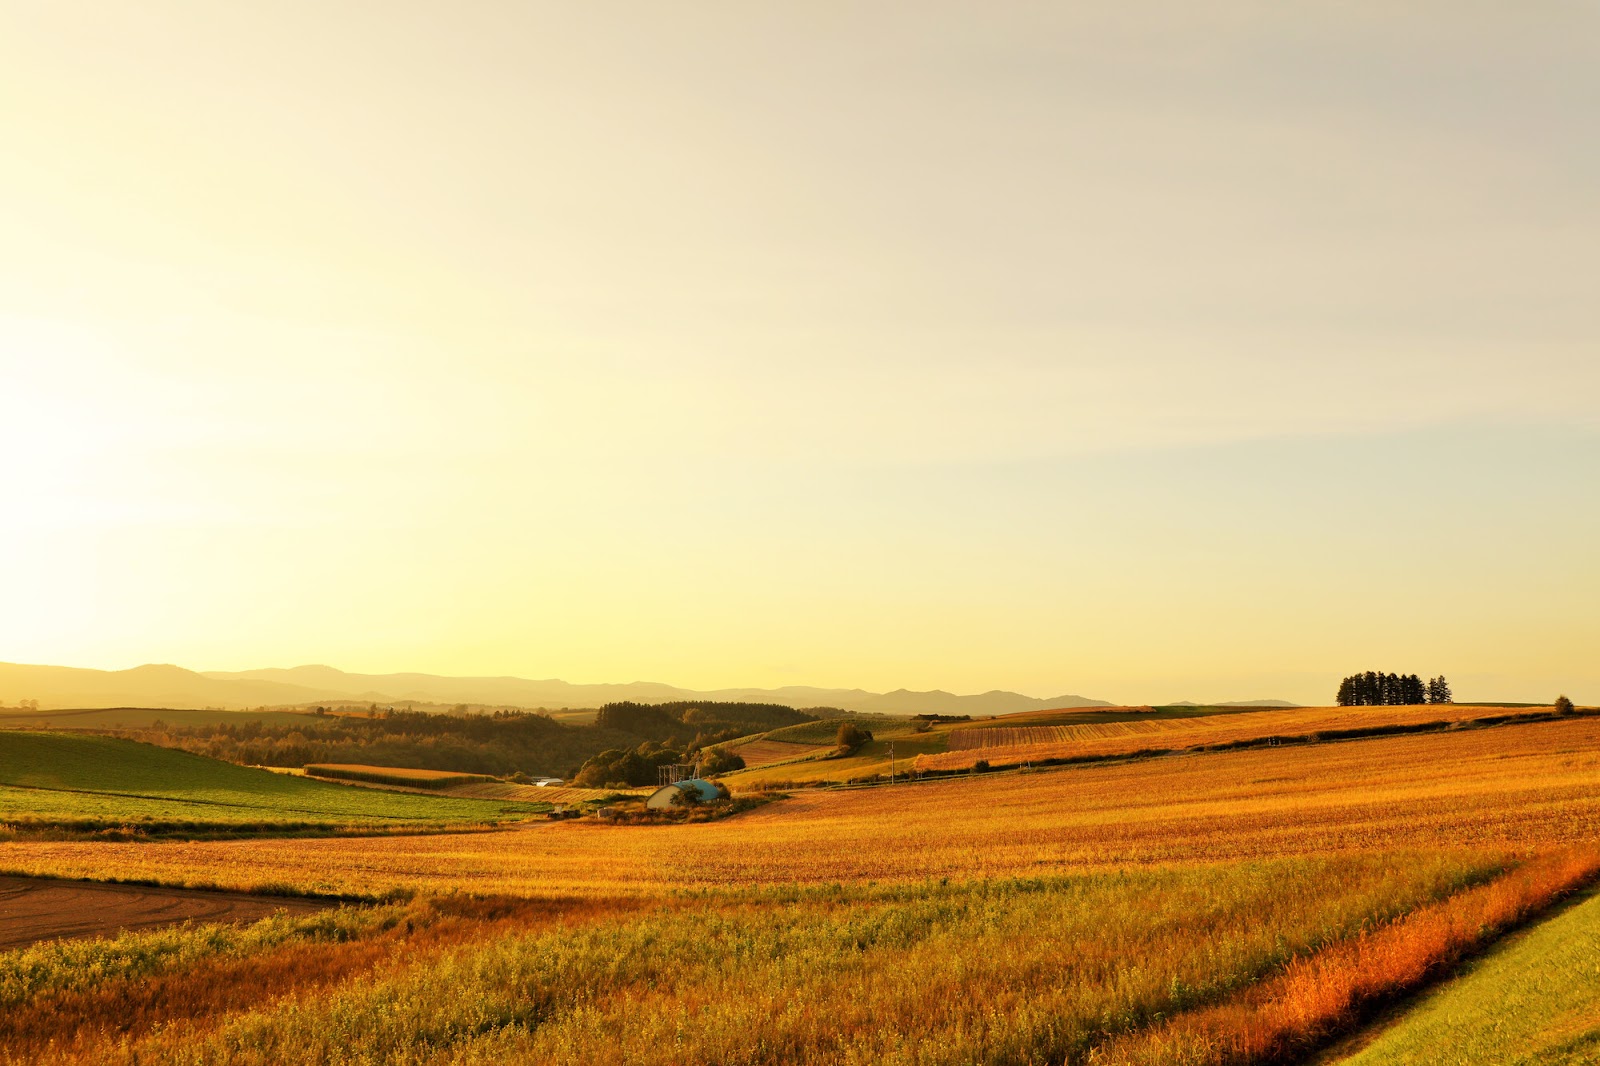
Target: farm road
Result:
[34, 909]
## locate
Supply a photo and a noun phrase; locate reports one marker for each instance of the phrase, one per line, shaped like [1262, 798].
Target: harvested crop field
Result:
[34, 909]
[769, 752]
[1016, 745]
[394, 775]
[562, 794]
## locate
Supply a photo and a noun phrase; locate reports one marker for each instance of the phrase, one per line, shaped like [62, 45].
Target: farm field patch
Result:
[556, 794]
[91, 782]
[433, 780]
[762, 752]
[480, 787]
[1016, 745]
[34, 909]
[869, 761]
[1094, 715]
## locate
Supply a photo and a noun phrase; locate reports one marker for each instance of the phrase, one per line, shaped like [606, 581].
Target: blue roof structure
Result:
[704, 791]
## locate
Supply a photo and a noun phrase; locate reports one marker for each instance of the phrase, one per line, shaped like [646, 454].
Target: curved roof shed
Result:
[704, 792]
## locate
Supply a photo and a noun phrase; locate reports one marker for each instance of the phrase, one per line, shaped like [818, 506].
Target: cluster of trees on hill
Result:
[616, 768]
[1377, 689]
[500, 743]
[706, 723]
[851, 737]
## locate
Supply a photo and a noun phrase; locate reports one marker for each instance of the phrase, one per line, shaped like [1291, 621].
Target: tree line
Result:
[619, 768]
[1378, 689]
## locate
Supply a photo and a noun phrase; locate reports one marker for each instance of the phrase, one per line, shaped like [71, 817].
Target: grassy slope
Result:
[67, 777]
[1534, 1000]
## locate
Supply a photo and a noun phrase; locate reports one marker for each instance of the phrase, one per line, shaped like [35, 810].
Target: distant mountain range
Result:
[56, 687]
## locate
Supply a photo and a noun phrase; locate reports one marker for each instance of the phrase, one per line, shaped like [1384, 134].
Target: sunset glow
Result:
[1142, 354]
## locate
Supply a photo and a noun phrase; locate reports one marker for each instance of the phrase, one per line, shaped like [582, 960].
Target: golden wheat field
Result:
[1514, 786]
[1016, 745]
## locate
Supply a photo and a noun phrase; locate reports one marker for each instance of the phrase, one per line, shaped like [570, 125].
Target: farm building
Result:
[703, 792]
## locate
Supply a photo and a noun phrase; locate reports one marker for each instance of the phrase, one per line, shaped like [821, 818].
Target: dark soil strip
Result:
[34, 909]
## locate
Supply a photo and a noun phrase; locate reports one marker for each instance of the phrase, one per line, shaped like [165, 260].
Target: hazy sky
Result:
[1135, 351]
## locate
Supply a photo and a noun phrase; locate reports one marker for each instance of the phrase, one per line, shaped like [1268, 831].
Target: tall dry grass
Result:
[71, 1001]
[1040, 970]
[1280, 1019]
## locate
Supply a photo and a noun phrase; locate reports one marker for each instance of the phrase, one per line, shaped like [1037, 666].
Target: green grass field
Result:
[76, 781]
[1533, 1000]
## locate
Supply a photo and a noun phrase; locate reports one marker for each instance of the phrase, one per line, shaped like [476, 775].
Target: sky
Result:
[1128, 350]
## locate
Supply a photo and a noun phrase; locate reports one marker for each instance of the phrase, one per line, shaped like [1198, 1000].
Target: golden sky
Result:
[1121, 349]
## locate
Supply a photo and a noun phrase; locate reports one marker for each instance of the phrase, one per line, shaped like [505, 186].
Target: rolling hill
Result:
[78, 781]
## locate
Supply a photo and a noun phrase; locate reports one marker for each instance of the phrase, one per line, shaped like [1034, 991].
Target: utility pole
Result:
[891, 762]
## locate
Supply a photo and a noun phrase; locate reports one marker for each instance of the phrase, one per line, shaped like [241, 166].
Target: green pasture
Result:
[1532, 1001]
[65, 778]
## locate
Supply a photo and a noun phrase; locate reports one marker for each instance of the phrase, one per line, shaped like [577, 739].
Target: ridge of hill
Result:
[166, 685]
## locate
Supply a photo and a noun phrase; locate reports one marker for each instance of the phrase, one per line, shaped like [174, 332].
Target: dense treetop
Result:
[1377, 689]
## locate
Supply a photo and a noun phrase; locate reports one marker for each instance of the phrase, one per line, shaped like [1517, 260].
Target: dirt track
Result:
[35, 909]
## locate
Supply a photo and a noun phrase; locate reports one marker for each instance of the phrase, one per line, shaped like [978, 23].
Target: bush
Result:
[981, 766]
[633, 768]
[1563, 705]
[851, 737]
[718, 761]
